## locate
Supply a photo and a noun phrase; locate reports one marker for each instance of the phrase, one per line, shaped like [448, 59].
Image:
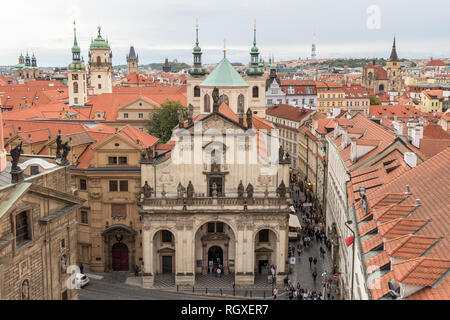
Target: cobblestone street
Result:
[302, 271]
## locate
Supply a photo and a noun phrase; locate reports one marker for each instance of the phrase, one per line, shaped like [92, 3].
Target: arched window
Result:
[75, 87]
[99, 60]
[197, 92]
[381, 87]
[255, 92]
[224, 98]
[241, 104]
[207, 103]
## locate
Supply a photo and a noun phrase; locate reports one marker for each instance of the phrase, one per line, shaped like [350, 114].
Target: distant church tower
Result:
[196, 77]
[100, 65]
[314, 49]
[393, 71]
[132, 61]
[256, 96]
[166, 67]
[77, 78]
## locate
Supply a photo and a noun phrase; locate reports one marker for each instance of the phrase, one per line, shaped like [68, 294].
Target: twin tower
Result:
[98, 74]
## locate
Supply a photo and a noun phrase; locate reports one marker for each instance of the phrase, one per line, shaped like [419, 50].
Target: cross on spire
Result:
[99, 30]
[254, 40]
[224, 48]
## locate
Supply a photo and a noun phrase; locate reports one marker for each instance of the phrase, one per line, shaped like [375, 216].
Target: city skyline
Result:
[341, 31]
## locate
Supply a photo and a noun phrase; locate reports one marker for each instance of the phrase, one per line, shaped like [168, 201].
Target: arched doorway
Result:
[119, 237]
[265, 251]
[164, 252]
[120, 257]
[215, 258]
[215, 243]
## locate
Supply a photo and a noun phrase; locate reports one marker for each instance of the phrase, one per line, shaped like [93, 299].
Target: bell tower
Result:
[394, 71]
[100, 65]
[77, 78]
[132, 61]
[256, 94]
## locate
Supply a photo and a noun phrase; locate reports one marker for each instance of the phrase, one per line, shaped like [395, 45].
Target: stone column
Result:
[282, 244]
[244, 266]
[148, 279]
[184, 256]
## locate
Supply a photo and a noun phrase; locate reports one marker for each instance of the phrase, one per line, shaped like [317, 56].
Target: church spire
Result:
[254, 68]
[394, 56]
[197, 70]
[75, 49]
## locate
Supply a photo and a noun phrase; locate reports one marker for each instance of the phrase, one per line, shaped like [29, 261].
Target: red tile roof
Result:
[436, 63]
[288, 112]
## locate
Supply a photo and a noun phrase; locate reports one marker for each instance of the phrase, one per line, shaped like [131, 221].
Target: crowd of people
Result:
[313, 233]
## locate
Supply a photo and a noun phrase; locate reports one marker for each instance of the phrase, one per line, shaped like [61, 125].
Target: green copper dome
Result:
[99, 43]
[224, 75]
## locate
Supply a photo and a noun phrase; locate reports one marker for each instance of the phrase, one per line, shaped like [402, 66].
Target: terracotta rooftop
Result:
[288, 112]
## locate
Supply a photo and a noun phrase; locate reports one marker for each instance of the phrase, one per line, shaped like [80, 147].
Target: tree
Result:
[165, 119]
[374, 101]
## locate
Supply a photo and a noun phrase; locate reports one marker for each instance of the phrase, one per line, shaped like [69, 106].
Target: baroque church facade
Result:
[381, 80]
[205, 203]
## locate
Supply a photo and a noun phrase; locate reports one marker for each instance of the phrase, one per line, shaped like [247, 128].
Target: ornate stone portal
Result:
[119, 243]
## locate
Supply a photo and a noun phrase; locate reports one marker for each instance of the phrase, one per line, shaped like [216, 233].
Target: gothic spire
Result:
[394, 56]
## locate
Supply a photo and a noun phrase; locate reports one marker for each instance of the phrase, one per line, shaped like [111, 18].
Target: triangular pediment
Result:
[141, 103]
[110, 144]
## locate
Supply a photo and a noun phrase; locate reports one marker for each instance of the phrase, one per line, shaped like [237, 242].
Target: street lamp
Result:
[353, 255]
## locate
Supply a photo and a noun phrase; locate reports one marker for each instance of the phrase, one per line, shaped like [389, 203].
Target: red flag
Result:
[349, 241]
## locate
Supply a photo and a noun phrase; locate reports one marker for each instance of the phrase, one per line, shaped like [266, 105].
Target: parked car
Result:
[82, 279]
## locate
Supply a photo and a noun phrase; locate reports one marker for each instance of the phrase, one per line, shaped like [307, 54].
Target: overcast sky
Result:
[166, 28]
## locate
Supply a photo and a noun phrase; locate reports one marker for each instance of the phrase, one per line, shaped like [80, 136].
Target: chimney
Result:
[417, 135]
[410, 159]
[398, 128]
[353, 152]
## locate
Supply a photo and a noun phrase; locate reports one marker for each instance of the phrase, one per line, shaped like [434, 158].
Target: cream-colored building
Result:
[100, 65]
[212, 201]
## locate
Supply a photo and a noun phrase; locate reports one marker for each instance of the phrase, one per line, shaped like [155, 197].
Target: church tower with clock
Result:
[77, 78]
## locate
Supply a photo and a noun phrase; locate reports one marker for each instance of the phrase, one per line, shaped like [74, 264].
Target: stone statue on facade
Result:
[281, 154]
[25, 292]
[250, 191]
[190, 190]
[215, 167]
[150, 152]
[249, 118]
[15, 155]
[281, 190]
[181, 190]
[216, 99]
[180, 118]
[190, 114]
[241, 190]
[214, 189]
[58, 146]
[66, 148]
[147, 190]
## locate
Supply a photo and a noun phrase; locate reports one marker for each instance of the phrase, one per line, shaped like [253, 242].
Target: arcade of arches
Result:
[186, 247]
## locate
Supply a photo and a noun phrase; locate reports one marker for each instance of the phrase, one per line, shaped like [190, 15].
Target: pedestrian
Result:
[81, 268]
[295, 295]
[219, 271]
[291, 295]
[314, 274]
[298, 285]
[275, 292]
[315, 261]
[310, 261]
[136, 270]
[328, 295]
[299, 251]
